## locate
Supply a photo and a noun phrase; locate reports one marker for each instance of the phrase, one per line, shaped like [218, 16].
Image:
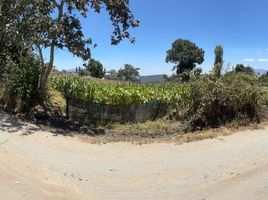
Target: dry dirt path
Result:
[41, 165]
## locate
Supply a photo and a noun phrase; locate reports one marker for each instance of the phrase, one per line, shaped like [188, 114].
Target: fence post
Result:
[67, 107]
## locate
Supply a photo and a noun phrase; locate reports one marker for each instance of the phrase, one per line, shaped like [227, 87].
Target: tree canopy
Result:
[243, 69]
[129, 73]
[185, 55]
[95, 69]
[56, 24]
[14, 40]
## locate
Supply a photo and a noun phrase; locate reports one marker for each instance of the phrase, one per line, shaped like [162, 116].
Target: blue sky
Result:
[240, 26]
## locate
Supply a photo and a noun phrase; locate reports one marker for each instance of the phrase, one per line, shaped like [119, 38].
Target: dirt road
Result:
[42, 165]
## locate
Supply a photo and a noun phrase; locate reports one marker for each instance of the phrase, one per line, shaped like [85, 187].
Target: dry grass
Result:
[160, 124]
[145, 133]
[56, 100]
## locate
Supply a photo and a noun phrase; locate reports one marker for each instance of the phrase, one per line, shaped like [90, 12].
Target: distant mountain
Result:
[260, 71]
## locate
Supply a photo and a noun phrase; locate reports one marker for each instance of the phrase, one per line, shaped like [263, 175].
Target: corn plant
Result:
[121, 94]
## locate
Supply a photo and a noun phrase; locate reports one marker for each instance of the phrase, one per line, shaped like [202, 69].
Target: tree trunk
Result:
[47, 70]
[43, 67]
[45, 75]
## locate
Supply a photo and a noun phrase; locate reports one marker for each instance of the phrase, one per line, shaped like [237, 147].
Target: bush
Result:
[22, 81]
[216, 101]
[263, 80]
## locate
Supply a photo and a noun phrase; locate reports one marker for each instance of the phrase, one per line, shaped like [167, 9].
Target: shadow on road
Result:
[13, 124]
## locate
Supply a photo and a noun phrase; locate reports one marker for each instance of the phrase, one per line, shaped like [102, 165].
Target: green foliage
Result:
[263, 79]
[240, 68]
[95, 69]
[14, 40]
[19, 68]
[217, 69]
[129, 73]
[171, 78]
[22, 81]
[185, 55]
[120, 94]
[218, 60]
[57, 25]
[218, 54]
[197, 72]
[185, 76]
[217, 101]
[210, 101]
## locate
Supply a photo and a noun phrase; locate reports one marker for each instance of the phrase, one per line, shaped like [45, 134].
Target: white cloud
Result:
[266, 49]
[249, 60]
[263, 60]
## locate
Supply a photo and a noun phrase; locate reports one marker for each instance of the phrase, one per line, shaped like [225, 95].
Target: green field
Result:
[120, 93]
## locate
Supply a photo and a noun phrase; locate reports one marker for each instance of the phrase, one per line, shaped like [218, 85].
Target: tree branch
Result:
[40, 54]
[55, 2]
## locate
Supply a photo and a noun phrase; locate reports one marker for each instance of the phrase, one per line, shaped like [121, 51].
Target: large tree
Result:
[15, 42]
[55, 24]
[185, 55]
[19, 66]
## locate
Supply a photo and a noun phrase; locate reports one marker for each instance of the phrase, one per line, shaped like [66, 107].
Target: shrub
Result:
[216, 101]
[22, 81]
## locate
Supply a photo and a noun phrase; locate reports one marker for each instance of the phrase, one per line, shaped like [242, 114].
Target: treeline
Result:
[186, 55]
[95, 69]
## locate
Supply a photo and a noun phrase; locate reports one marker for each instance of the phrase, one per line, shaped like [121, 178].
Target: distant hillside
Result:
[260, 71]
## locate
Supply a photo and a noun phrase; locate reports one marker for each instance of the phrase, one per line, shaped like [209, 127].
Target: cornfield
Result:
[121, 94]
